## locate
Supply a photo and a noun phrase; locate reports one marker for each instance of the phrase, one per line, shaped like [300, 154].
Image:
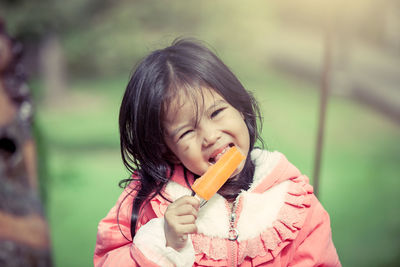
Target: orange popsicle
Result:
[215, 177]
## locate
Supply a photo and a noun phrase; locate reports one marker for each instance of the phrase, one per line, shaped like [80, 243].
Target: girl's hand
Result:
[180, 218]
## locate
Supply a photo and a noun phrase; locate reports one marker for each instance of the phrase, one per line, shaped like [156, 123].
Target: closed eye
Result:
[185, 133]
[216, 112]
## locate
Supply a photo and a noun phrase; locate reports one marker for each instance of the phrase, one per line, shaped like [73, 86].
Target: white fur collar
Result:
[259, 211]
[265, 161]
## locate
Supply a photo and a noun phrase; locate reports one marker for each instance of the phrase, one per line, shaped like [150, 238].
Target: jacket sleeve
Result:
[316, 248]
[114, 246]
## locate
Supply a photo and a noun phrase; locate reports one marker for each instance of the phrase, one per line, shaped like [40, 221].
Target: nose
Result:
[210, 135]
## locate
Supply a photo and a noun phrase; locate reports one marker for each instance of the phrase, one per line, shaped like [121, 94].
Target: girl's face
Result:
[199, 135]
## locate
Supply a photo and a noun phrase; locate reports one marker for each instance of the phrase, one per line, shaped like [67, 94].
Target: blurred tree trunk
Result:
[391, 26]
[52, 67]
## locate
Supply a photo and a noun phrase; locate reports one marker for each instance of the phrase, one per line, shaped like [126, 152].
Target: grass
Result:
[359, 175]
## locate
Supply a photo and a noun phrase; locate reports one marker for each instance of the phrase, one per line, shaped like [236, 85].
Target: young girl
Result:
[182, 110]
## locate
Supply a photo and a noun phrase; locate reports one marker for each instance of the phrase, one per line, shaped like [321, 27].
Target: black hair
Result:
[185, 65]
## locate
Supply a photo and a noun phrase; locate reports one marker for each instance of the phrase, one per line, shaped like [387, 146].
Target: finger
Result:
[183, 229]
[185, 210]
[194, 202]
[187, 219]
[187, 229]
[188, 200]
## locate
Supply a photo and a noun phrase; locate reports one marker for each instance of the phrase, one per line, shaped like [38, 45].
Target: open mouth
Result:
[216, 157]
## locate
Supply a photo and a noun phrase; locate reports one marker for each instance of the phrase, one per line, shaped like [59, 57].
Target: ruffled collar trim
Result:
[270, 241]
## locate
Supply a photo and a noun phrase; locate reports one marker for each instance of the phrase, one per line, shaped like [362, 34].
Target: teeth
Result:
[220, 154]
[214, 159]
[223, 151]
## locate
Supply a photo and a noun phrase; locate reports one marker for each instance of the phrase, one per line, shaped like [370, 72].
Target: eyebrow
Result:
[177, 130]
[216, 103]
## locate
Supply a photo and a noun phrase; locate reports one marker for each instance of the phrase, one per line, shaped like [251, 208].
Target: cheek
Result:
[173, 149]
[243, 132]
[184, 155]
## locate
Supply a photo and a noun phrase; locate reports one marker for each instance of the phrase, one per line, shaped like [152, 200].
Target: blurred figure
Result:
[24, 234]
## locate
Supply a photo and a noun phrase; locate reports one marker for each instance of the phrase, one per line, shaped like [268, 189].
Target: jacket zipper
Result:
[233, 233]
[233, 254]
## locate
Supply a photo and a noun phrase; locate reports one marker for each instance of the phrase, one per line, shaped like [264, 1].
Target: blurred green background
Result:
[80, 53]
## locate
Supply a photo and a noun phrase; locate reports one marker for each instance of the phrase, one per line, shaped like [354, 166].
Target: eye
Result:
[185, 133]
[216, 112]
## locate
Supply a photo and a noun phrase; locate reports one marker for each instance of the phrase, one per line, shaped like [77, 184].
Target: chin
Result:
[236, 172]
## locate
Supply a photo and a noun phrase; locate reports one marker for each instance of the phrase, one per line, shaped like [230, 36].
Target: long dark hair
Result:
[185, 65]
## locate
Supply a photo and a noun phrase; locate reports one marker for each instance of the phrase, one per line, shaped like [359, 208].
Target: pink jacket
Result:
[279, 220]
